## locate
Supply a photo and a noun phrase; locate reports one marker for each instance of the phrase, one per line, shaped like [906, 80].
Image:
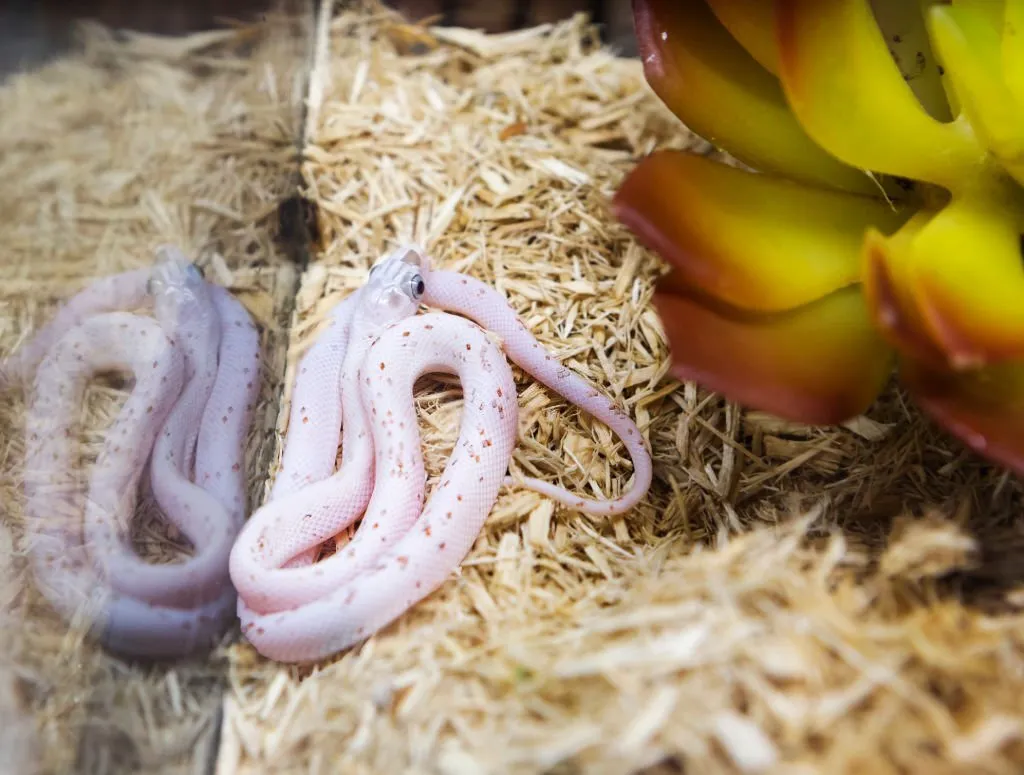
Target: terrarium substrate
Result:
[786, 600]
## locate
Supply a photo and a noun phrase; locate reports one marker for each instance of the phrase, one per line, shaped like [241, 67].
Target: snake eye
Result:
[416, 286]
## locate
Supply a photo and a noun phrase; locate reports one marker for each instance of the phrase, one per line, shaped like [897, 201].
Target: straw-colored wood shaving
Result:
[103, 155]
[788, 599]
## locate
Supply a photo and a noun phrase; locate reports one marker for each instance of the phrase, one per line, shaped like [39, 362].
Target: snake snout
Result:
[173, 273]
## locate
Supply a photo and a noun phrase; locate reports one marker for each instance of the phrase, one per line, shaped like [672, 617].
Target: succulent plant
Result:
[874, 221]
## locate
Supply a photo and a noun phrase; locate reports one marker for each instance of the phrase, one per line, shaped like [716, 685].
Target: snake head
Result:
[396, 284]
[174, 280]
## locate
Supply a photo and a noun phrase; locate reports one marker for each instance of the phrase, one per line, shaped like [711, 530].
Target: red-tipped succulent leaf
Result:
[753, 241]
[888, 297]
[984, 407]
[974, 308]
[796, 288]
[822, 363]
[718, 90]
[762, 303]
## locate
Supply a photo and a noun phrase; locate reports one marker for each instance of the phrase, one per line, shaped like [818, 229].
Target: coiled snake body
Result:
[357, 382]
[196, 370]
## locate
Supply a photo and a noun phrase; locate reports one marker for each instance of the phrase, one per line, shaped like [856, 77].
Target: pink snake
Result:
[195, 366]
[356, 383]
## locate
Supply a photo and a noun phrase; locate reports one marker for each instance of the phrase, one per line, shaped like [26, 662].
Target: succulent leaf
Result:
[906, 35]
[718, 90]
[752, 23]
[984, 408]
[851, 97]
[887, 292]
[973, 47]
[988, 12]
[753, 241]
[822, 363]
[795, 288]
[1013, 49]
[974, 309]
